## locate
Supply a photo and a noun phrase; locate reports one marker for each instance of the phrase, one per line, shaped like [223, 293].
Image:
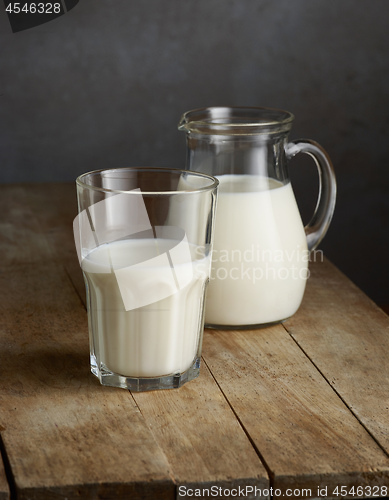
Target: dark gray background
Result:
[105, 84]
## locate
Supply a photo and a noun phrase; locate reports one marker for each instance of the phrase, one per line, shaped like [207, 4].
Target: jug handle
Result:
[317, 227]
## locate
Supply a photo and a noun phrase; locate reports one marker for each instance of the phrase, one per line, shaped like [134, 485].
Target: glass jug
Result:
[261, 248]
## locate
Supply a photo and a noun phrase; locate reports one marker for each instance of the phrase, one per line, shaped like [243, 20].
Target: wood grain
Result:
[192, 460]
[346, 336]
[305, 434]
[20, 236]
[261, 397]
[201, 437]
[54, 207]
[63, 432]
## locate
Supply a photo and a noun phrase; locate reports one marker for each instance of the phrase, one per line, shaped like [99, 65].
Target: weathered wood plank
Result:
[36, 225]
[54, 206]
[346, 335]
[302, 429]
[64, 434]
[304, 432]
[202, 439]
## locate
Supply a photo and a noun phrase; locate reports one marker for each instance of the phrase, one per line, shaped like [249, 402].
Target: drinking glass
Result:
[144, 239]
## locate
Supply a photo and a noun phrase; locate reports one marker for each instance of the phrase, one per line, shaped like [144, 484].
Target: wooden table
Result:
[298, 406]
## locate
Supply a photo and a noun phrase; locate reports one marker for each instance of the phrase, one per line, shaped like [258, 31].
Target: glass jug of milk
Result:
[261, 248]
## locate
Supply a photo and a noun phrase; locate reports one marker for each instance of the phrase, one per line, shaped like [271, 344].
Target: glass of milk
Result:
[261, 248]
[144, 238]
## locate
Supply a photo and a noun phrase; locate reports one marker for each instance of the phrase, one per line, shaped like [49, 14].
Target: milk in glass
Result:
[145, 300]
[260, 256]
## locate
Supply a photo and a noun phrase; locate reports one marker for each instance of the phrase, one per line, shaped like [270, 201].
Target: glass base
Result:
[174, 381]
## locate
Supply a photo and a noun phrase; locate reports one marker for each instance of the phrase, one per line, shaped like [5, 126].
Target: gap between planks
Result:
[346, 336]
[253, 444]
[349, 407]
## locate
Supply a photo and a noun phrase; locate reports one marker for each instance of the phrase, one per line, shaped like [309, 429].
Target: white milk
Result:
[145, 316]
[260, 256]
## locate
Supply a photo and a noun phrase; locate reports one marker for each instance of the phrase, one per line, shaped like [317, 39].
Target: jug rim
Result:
[236, 120]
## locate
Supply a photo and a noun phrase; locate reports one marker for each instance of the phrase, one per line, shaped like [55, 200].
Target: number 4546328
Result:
[33, 8]
[361, 491]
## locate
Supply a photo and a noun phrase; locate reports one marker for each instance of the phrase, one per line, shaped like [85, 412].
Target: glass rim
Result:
[211, 118]
[214, 182]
